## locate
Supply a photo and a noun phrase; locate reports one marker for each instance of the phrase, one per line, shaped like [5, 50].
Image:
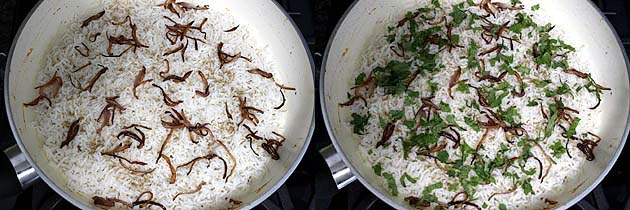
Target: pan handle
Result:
[340, 172]
[25, 172]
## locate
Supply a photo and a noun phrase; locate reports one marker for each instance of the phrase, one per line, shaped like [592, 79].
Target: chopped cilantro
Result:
[450, 119]
[442, 156]
[395, 115]
[510, 115]
[453, 186]
[522, 69]
[563, 89]
[391, 183]
[359, 122]
[502, 207]
[435, 3]
[391, 77]
[496, 99]
[541, 83]
[410, 123]
[472, 124]
[433, 86]
[463, 87]
[523, 21]
[473, 50]
[458, 14]
[407, 177]
[413, 94]
[516, 2]
[527, 187]
[378, 169]
[536, 7]
[360, 79]
[445, 107]
[382, 122]
[573, 126]
[558, 149]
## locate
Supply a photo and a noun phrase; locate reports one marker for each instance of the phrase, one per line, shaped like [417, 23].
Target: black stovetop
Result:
[311, 185]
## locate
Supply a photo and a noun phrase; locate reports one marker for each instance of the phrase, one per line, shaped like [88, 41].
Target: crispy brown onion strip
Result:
[83, 67]
[135, 171]
[232, 158]
[178, 79]
[139, 80]
[232, 29]
[87, 21]
[225, 58]
[207, 157]
[196, 190]
[206, 86]
[168, 138]
[54, 84]
[109, 202]
[72, 132]
[284, 100]
[387, 134]
[173, 177]
[95, 78]
[84, 54]
[261, 73]
[167, 100]
[491, 50]
[108, 113]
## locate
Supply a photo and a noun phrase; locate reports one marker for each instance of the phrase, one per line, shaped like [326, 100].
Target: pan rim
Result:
[262, 197]
[397, 205]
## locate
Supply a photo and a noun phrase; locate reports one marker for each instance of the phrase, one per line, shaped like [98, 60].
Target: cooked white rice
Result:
[424, 170]
[89, 173]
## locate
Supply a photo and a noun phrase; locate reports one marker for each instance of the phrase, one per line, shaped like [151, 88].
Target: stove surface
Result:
[311, 185]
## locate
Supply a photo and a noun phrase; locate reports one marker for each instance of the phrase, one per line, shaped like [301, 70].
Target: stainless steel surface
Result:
[25, 172]
[30, 174]
[340, 172]
[324, 97]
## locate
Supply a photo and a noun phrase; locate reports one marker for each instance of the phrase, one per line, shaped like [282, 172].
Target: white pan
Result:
[580, 19]
[268, 21]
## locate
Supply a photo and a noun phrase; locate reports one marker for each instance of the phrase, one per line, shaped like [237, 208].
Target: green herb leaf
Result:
[558, 149]
[359, 122]
[472, 124]
[360, 79]
[573, 126]
[563, 89]
[535, 7]
[392, 77]
[502, 207]
[453, 186]
[473, 50]
[458, 14]
[395, 115]
[391, 183]
[541, 83]
[532, 103]
[407, 177]
[444, 107]
[523, 21]
[378, 169]
[527, 187]
[435, 3]
[510, 115]
[443, 156]
[463, 87]
[450, 119]
[410, 123]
